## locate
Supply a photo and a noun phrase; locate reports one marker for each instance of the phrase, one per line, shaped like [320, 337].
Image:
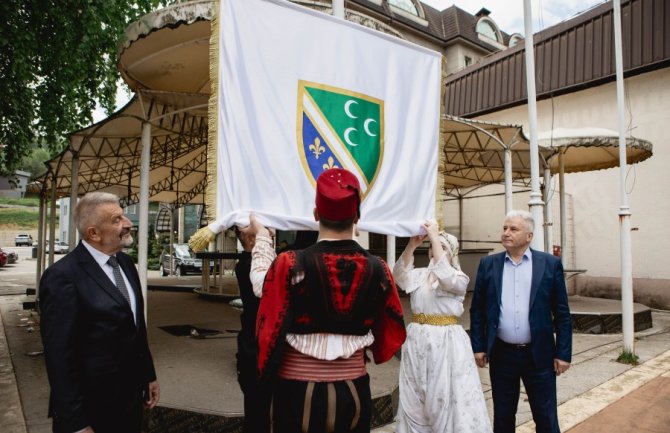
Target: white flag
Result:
[301, 91]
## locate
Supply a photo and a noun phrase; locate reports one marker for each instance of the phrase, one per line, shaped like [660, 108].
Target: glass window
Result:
[488, 29]
[515, 39]
[406, 5]
[468, 61]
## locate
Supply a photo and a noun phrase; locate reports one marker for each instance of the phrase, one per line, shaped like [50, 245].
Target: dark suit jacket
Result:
[95, 352]
[549, 311]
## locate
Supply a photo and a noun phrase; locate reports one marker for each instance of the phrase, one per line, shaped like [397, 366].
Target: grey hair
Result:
[525, 215]
[85, 213]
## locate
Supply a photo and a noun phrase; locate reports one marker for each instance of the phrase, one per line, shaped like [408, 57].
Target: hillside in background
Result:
[18, 216]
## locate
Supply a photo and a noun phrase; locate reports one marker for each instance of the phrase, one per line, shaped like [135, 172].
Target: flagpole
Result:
[535, 203]
[627, 325]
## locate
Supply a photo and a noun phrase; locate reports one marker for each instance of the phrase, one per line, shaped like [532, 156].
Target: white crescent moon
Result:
[347, 108]
[347, 139]
[366, 127]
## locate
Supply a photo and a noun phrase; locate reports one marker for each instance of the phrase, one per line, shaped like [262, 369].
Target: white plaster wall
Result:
[455, 56]
[596, 194]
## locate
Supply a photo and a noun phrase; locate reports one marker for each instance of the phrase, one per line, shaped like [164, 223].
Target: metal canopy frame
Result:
[474, 154]
[108, 156]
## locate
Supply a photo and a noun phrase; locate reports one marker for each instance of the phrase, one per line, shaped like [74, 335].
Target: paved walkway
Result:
[11, 411]
[647, 409]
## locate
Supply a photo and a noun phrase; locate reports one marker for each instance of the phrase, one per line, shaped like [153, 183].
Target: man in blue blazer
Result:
[92, 321]
[519, 302]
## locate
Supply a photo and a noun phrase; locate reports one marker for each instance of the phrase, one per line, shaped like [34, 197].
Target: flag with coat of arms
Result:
[301, 91]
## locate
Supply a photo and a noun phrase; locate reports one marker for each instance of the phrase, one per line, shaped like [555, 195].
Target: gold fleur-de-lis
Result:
[316, 148]
[331, 164]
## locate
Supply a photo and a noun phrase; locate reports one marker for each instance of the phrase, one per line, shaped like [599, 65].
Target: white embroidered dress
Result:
[440, 390]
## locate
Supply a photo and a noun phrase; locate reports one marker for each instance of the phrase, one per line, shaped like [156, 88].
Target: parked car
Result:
[183, 261]
[3, 259]
[12, 256]
[60, 247]
[23, 240]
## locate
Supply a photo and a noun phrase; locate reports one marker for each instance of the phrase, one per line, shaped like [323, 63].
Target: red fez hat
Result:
[338, 195]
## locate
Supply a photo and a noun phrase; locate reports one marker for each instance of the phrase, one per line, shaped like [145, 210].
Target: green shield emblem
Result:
[340, 128]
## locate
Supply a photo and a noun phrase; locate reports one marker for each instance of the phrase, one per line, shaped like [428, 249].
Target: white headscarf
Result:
[450, 246]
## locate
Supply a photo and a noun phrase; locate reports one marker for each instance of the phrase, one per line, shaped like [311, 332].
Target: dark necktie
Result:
[114, 263]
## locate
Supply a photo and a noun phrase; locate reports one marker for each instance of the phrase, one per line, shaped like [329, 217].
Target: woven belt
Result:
[434, 319]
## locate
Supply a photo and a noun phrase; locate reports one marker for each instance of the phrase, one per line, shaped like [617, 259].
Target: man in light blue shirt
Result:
[519, 302]
[514, 327]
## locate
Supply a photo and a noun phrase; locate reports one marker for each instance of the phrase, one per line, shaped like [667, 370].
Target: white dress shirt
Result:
[102, 258]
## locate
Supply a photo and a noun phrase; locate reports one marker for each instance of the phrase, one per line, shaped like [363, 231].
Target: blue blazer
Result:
[549, 312]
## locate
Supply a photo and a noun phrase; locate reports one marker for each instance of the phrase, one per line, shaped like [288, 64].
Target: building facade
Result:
[14, 186]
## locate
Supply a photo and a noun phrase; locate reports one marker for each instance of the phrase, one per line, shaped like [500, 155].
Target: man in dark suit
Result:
[92, 321]
[519, 302]
[257, 398]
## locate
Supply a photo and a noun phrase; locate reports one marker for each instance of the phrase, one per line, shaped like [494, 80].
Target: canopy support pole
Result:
[52, 219]
[390, 250]
[181, 220]
[627, 320]
[460, 216]
[561, 186]
[548, 217]
[338, 8]
[535, 203]
[172, 254]
[143, 229]
[74, 187]
[40, 240]
[508, 180]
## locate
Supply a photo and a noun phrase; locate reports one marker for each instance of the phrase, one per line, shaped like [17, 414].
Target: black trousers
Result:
[257, 398]
[115, 409]
[509, 366]
[322, 407]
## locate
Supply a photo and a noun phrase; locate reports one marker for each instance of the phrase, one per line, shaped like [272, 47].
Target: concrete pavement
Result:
[596, 394]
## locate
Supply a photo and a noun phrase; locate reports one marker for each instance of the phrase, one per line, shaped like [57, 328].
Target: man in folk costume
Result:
[320, 309]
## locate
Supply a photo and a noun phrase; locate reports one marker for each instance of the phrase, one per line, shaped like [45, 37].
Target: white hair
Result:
[525, 215]
[85, 213]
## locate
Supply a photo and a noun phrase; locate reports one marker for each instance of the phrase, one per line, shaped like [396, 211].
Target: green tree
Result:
[57, 58]
[34, 162]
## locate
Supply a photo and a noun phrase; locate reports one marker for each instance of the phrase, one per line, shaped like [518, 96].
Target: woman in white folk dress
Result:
[440, 390]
